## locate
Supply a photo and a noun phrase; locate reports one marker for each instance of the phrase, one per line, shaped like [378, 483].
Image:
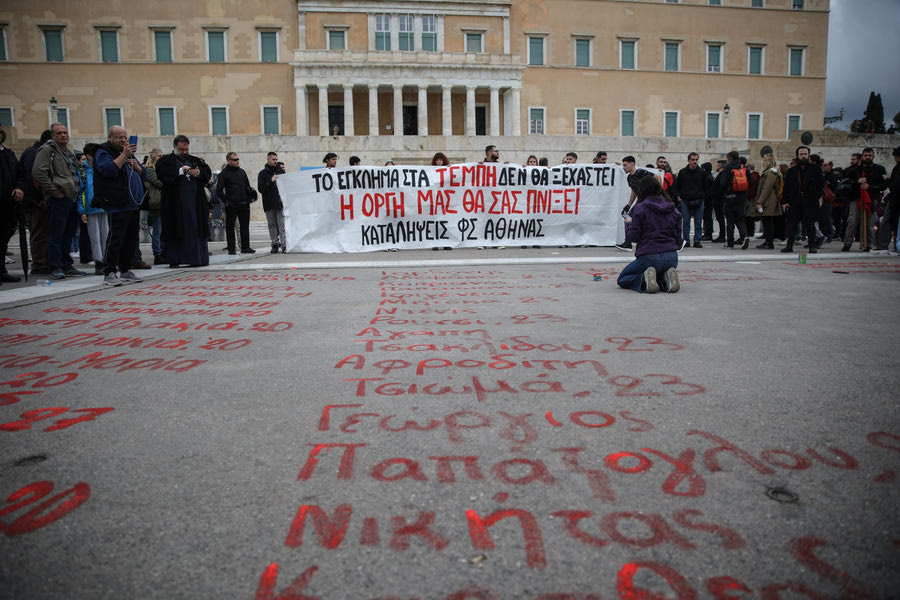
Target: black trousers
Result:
[734, 217]
[124, 228]
[805, 212]
[240, 213]
[715, 204]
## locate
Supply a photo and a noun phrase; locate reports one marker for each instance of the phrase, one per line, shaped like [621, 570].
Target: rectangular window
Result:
[215, 46]
[627, 122]
[672, 56]
[757, 3]
[797, 4]
[109, 45]
[627, 54]
[582, 121]
[793, 124]
[429, 34]
[165, 120]
[755, 60]
[406, 42]
[271, 120]
[535, 51]
[382, 32]
[218, 120]
[582, 52]
[713, 58]
[473, 42]
[712, 125]
[796, 67]
[4, 55]
[671, 124]
[336, 39]
[62, 115]
[754, 131]
[112, 117]
[53, 45]
[162, 44]
[6, 117]
[715, 2]
[268, 46]
[536, 121]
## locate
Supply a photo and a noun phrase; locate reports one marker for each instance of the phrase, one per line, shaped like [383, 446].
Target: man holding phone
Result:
[119, 186]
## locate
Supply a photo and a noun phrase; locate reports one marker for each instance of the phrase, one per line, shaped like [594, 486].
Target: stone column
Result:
[515, 127]
[470, 110]
[373, 109]
[423, 110]
[348, 109]
[302, 106]
[495, 111]
[446, 111]
[398, 110]
[323, 110]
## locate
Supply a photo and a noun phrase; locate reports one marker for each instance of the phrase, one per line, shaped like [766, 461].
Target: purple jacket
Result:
[655, 226]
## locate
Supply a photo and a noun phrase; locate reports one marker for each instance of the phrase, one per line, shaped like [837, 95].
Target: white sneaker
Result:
[129, 277]
[111, 279]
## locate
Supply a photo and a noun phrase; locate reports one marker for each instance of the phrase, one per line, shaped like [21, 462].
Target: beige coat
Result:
[765, 193]
[51, 171]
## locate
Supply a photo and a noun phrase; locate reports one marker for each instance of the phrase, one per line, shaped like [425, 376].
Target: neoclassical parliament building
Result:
[414, 76]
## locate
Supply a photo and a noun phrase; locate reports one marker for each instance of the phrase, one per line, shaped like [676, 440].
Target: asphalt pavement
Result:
[494, 424]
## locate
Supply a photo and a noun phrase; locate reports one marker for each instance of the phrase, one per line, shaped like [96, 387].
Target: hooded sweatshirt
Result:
[655, 226]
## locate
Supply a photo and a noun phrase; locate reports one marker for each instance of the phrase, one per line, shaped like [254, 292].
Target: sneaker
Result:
[232, 252]
[57, 274]
[745, 244]
[683, 245]
[73, 272]
[719, 240]
[728, 246]
[626, 247]
[698, 245]
[111, 279]
[651, 286]
[881, 252]
[129, 277]
[670, 281]
[786, 250]
[9, 260]
[819, 241]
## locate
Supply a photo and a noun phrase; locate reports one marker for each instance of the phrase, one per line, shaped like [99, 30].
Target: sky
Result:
[863, 56]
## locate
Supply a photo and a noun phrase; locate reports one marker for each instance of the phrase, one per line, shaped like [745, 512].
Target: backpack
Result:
[739, 180]
[779, 187]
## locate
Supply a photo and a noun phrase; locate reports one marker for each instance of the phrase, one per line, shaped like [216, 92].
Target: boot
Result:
[158, 259]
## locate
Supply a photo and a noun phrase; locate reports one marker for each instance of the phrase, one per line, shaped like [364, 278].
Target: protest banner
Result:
[363, 209]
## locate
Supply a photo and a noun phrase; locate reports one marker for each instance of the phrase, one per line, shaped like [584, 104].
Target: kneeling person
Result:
[655, 226]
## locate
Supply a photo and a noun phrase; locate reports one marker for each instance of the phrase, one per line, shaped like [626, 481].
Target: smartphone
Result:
[132, 140]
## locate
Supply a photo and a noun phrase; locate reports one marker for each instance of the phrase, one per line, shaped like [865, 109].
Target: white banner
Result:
[362, 209]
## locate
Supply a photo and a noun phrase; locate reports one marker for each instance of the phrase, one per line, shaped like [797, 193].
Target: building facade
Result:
[295, 74]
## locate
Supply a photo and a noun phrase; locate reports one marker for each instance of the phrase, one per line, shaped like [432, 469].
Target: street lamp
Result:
[54, 112]
[727, 110]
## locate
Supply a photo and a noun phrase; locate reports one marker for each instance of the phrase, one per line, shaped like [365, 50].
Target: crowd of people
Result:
[93, 203]
[98, 195]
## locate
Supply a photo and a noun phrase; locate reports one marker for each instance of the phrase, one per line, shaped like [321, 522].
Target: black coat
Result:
[803, 186]
[271, 197]
[232, 187]
[168, 170]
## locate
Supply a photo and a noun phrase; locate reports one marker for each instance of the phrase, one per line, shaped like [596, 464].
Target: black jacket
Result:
[803, 186]
[33, 196]
[10, 175]
[271, 198]
[725, 181]
[692, 184]
[232, 187]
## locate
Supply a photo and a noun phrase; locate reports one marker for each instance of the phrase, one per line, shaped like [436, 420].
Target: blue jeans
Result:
[155, 223]
[697, 213]
[62, 223]
[632, 276]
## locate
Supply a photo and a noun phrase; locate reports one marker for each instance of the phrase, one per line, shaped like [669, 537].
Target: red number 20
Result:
[39, 516]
